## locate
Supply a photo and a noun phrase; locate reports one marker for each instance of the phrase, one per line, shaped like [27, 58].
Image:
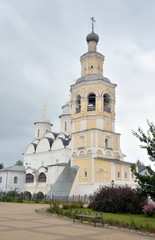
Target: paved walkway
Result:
[21, 222]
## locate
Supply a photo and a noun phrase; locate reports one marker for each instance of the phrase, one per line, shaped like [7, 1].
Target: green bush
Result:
[118, 199]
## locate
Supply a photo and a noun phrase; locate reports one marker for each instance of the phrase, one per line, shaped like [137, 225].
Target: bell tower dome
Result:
[92, 61]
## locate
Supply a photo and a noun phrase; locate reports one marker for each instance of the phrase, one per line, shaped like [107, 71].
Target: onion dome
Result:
[92, 37]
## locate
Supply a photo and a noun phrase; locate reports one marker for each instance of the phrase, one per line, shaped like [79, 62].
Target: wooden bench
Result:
[83, 216]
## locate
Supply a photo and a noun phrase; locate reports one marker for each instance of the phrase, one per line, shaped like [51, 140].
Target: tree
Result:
[19, 163]
[1, 166]
[146, 182]
[148, 140]
[139, 163]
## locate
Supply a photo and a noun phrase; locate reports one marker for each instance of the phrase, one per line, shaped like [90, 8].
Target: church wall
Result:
[91, 123]
[88, 139]
[85, 166]
[119, 172]
[90, 188]
[104, 166]
[47, 158]
[65, 124]
[8, 181]
[127, 175]
[51, 176]
[108, 125]
[115, 142]
[93, 63]
[96, 89]
[41, 128]
[100, 123]
[100, 140]
[77, 126]
[20, 183]
[3, 183]
[53, 173]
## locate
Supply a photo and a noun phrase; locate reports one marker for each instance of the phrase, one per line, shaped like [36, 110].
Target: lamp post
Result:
[112, 183]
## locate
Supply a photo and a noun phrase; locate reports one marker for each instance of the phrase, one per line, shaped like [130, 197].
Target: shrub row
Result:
[118, 199]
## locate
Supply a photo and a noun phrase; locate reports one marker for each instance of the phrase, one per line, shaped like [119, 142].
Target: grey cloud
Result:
[40, 45]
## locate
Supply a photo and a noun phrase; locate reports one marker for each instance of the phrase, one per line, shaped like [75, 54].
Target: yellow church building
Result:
[95, 144]
[86, 153]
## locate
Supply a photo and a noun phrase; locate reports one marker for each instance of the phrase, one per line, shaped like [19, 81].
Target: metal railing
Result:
[79, 198]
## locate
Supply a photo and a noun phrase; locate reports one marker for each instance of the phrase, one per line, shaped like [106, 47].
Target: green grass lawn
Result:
[138, 221]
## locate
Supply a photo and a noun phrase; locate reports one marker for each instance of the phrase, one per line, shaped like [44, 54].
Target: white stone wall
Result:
[3, 183]
[43, 128]
[8, 181]
[65, 124]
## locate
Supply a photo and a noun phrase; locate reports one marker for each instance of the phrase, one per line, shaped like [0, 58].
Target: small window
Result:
[57, 161]
[42, 177]
[119, 174]
[92, 66]
[126, 175]
[0, 179]
[65, 126]
[46, 130]
[132, 175]
[38, 132]
[85, 173]
[15, 180]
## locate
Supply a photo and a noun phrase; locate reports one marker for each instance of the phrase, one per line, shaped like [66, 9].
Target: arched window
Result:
[27, 196]
[91, 102]
[29, 178]
[78, 104]
[15, 180]
[40, 196]
[107, 103]
[42, 177]
[106, 143]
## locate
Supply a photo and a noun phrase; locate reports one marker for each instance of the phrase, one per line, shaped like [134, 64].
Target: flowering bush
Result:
[149, 209]
[72, 205]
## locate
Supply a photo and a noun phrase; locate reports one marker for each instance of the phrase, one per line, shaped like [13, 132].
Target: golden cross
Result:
[75, 80]
[44, 109]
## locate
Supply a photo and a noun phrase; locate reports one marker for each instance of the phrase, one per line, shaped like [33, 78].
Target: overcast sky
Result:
[41, 42]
